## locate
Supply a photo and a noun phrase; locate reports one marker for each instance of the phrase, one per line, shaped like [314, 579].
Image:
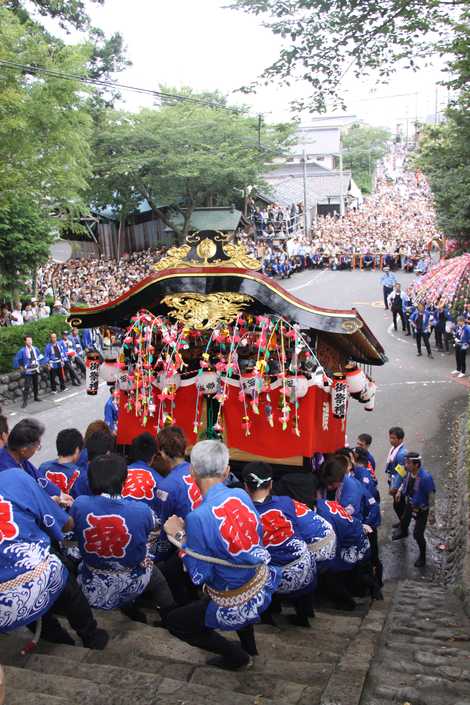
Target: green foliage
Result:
[25, 236]
[45, 126]
[11, 338]
[184, 154]
[363, 147]
[69, 13]
[444, 150]
[325, 39]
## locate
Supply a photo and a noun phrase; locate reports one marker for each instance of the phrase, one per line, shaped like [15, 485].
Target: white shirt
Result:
[16, 318]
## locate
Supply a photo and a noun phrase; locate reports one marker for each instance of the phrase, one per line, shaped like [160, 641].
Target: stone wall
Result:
[451, 532]
[11, 386]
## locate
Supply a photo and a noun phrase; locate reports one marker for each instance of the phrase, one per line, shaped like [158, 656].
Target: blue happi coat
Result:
[286, 534]
[226, 526]
[352, 544]
[31, 578]
[142, 483]
[423, 488]
[352, 496]
[64, 475]
[55, 355]
[369, 484]
[7, 461]
[111, 413]
[114, 537]
[29, 360]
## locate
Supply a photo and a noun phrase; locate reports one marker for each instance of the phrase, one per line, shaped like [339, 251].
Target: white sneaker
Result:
[461, 374]
[455, 372]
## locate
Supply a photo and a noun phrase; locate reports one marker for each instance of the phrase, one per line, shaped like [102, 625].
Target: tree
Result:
[363, 147]
[325, 39]
[45, 125]
[69, 13]
[444, 149]
[25, 237]
[184, 155]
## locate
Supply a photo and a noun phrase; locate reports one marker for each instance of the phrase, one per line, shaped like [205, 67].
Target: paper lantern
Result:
[356, 380]
[165, 380]
[252, 384]
[93, 362]
[339, 397]
[109, 372]
[299, 384]
[208, 383]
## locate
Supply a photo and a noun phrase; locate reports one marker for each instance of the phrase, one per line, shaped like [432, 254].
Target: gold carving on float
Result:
[204, 311]
[351, 325]
[205, 249]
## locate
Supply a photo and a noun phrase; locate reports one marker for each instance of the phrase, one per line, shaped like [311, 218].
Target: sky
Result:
[200, 43]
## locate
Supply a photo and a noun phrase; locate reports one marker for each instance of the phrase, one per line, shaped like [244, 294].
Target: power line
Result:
[35, 69]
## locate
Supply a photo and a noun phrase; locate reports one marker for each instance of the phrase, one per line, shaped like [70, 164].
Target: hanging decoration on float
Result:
[258, 355]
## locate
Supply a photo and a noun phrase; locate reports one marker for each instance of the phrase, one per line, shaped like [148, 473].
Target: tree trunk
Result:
[119, 239]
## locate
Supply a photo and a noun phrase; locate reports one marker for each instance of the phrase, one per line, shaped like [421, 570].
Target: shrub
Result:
[11, 338]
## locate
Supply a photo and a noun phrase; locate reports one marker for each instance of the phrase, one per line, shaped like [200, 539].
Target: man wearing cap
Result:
[418, 491]
[388, 281]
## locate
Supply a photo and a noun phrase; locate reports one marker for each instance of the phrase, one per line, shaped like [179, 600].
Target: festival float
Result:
[212, 345]
[447, 283]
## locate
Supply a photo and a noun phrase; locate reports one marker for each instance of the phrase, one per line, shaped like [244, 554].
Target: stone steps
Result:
[424, 655]
[145, 665]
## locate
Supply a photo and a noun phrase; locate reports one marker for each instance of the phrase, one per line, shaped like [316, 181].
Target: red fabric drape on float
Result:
[130, 425]
[319, 430]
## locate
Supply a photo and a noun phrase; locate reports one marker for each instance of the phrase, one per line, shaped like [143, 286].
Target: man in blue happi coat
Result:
[418, 491]
[222, 551]
[29, 360]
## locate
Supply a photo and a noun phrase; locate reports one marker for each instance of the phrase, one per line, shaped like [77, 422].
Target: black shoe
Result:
[63, 389]
[57, 635]
[220, 662]
[407, 333]
[399, 535]
[421, 562]
[419, 354]
[53, 391]
[298, 620]
[134, 613]
[267, 618]
[24, 404]
[430, 355]
[37, 399]
[97, 640]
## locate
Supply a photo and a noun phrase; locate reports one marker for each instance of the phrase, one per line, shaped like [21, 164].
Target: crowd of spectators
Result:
[394, 228]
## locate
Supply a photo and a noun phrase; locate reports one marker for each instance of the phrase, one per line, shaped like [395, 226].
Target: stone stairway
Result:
[424, 652]
[144, 665]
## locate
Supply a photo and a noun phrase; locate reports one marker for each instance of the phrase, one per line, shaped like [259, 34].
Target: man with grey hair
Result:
[222, 551]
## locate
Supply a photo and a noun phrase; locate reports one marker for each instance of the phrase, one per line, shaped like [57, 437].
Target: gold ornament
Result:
[206, 249]
[205, 311]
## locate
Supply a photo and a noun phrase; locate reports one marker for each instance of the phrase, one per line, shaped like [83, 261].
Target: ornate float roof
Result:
[210, 279]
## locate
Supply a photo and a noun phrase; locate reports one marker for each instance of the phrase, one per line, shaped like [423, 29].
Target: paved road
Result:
[416, 393]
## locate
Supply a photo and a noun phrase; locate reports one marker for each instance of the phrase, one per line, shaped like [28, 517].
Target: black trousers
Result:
[30, 381]
[421, 519]
[187, 624]
[441, 339]
[400, 313]
[73, 604]
[68, 369]
[387, 291]
[54, 374]
[182, 588]
[461, 359]
[77, 360]
[420, 336]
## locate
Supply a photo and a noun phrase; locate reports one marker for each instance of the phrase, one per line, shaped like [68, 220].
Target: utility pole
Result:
[341, 190]
[304, 160]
